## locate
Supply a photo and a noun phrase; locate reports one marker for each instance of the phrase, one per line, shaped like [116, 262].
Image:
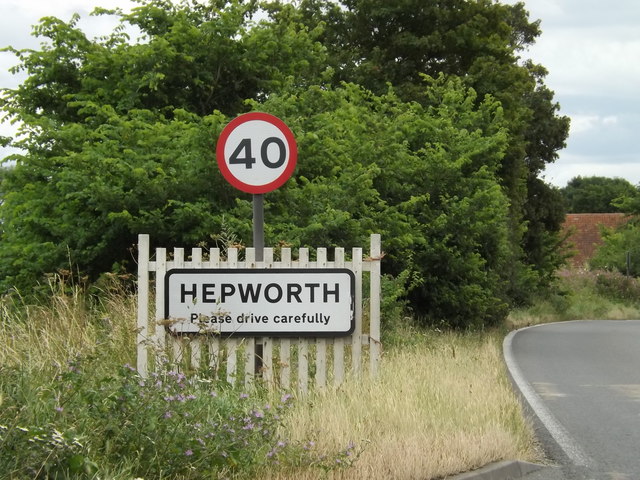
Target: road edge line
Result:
[557, 431]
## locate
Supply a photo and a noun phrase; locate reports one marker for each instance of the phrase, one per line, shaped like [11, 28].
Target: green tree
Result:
[118, 138]
[128, 174]
[618, 244]
[424, 177]
[376, 42]
[597, 194]
[190, 56]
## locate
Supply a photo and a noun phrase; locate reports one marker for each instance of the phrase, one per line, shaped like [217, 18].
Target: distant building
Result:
[584, 233]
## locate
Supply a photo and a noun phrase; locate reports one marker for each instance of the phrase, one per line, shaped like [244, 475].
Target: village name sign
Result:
[261, 302]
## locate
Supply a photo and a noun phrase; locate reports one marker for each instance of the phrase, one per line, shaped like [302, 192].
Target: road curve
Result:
[582, 381]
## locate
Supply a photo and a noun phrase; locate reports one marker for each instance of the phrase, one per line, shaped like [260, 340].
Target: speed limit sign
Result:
[256, 152]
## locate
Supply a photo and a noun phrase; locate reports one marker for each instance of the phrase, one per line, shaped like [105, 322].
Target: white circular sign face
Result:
[256, 152]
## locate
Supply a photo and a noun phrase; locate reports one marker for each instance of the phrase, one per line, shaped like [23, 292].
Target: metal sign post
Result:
[258, 226]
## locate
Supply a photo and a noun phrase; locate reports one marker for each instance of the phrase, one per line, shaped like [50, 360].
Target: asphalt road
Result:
[582, 382]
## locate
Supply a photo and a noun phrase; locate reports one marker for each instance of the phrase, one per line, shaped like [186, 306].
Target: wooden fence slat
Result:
[232, 343]
[178, 257]
[195, 341]
[195, 350]
[356, 338]
[266, 345]
[160, 332]
[303, 344]
[267, 361]
[143, 335]
[231, 352]
[285, 363]
[249, 361]
[213, 341]
[285, 343]
[374, 305]
[321, 343]
[179, 344]
[338, 343]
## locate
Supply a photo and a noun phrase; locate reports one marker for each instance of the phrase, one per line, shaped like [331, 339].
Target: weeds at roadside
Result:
[583, 295]
[78, 425]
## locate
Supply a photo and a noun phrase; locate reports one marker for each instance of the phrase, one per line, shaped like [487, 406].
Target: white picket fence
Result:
[287, 363]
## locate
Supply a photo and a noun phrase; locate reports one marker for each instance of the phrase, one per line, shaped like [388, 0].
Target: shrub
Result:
[618, 286]
[78, 425]
[619, 244]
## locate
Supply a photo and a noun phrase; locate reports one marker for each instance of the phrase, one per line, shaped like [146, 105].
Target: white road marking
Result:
[571, 449]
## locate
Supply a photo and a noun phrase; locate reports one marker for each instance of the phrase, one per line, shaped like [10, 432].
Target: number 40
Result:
[242, 154]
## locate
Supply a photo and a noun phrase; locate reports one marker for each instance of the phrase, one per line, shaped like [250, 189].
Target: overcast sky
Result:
[591, 49]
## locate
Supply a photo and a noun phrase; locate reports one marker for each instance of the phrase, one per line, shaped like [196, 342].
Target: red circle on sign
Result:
[247, 126]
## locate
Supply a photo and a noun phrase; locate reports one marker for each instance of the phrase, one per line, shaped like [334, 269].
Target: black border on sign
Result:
[231, 271]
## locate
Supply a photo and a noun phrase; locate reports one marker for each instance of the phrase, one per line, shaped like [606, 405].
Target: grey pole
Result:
[258, 226]
[258, 244]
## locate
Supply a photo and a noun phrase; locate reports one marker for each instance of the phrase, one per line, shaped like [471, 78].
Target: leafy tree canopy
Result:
[376, 42]
[427, 130]
[620, 251]
[598, 194]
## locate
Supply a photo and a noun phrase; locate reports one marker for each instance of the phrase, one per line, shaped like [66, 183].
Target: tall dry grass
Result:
[439, 407]
[68, 324]
[441, 404]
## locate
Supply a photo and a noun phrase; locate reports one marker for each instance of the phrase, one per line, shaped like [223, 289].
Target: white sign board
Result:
[261, 302]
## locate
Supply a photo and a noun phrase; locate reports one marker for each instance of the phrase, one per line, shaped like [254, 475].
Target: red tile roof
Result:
[584, 233]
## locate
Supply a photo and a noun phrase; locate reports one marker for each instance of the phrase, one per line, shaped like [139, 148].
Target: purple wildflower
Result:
[188, 453]
[285, 398]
